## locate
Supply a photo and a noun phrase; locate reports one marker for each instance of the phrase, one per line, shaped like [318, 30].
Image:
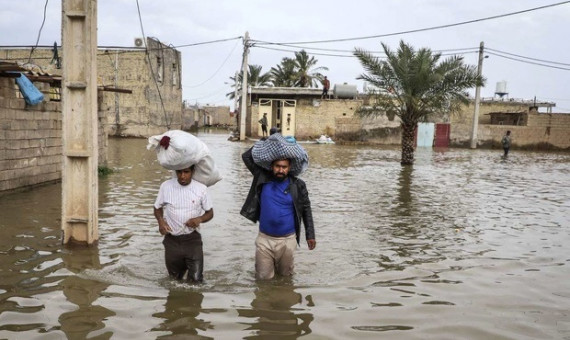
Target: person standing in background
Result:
[263, 122]
[506, 141]
[326, 86]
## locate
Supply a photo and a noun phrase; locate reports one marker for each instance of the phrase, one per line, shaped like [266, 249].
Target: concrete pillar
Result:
[80, 126]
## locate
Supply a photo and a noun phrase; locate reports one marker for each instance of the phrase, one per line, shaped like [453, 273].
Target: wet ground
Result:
[463, 245]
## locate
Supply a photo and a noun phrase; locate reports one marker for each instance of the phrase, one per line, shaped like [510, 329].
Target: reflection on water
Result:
[277, 312]
[464, 244]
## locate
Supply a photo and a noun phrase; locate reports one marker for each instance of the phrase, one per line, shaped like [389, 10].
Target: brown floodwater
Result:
[463, 245]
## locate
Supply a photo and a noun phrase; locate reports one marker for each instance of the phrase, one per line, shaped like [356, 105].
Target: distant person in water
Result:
[506, 141]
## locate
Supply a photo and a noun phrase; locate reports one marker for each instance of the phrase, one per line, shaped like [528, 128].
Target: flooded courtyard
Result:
[463, 245]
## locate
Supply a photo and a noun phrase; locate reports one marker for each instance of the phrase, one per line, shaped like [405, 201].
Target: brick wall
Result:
[151, 108]
[543, 130]
[31, 140]
[319, 117]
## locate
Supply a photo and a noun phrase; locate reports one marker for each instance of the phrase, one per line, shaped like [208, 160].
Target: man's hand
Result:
[163, 227]
[193, 223]
[312, 244]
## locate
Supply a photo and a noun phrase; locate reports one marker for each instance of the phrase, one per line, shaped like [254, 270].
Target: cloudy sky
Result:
[529, 51]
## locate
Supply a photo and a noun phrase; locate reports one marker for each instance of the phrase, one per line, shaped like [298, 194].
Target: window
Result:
[159, 69]
[174, 74]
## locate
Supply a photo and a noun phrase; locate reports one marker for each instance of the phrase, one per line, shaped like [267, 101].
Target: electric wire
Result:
[39, 33]
[208, 42]
[352, 51]
[218, 70]
[314, 53]
[528, 62]
[529, 58]
[429, 28]
[152, 71]
[353, 56]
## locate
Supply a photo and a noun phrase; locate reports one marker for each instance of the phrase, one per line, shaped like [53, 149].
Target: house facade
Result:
[302, 113]
[530, 128]
[142, 92]
[138, 95]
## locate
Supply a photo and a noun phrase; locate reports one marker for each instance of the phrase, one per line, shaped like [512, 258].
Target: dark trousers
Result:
[506, 150]
[184, 254]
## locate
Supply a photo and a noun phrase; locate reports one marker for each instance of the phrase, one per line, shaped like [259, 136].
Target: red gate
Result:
[442, 133]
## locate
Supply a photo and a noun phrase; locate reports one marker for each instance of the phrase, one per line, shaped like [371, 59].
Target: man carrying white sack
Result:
[183, 202]
[181, 206]
[280, 201]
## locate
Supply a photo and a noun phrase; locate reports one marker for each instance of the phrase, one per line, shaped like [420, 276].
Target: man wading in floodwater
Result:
[181, 206]
[281, 203]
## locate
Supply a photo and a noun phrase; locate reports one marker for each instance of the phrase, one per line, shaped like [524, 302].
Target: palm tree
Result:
[306, 74]
[283, 75]
[414, 85]
[254, 78]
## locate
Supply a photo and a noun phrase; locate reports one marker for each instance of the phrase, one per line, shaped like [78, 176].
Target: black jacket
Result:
[297, 188]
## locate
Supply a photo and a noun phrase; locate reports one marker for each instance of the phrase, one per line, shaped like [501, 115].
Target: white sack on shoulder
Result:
[177, 150]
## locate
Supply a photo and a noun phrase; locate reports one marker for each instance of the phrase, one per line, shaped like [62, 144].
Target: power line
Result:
[430, 28]
[467, 49]
[313, 53]
[528, 62]
[39, 33]
[529, 58]
[208, 42]
[218, 70]
[152, 71]
[352, 56]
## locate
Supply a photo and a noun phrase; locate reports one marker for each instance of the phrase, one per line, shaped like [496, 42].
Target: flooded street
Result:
[463, 245]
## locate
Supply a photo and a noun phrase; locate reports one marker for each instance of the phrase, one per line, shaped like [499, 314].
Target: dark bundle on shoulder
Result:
[275, 147]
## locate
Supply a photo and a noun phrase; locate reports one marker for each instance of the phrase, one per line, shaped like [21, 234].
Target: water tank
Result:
[344, 91]
[501, 88]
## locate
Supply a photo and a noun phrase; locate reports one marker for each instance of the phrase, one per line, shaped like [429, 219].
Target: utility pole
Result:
[477, 98]
[244, 70]
[80, 189]
[236, 97]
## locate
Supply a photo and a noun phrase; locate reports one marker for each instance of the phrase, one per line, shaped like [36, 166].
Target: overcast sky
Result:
[534, 37]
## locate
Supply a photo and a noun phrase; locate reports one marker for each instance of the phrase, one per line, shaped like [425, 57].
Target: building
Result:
[197, 116]
[139, 94]
[531, 129]
[301, 112]
[31, 145]
[142, 91]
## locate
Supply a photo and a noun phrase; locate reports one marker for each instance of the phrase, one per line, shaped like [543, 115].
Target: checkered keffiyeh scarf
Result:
[264, 152]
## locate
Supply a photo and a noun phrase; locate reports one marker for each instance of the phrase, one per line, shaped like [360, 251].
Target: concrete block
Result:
[17, 104]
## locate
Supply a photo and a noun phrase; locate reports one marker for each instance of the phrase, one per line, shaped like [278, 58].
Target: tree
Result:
[283, 75]
[299, 71]
[306, 74]
[413, 85]
[254, 78]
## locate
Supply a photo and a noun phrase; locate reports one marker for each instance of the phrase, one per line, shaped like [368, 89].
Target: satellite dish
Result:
[138, 42]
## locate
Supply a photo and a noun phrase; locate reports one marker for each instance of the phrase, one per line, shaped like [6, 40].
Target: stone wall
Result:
[319, 117]
[31, 143]
[155, 104]
[194, 117]
[544, 131]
